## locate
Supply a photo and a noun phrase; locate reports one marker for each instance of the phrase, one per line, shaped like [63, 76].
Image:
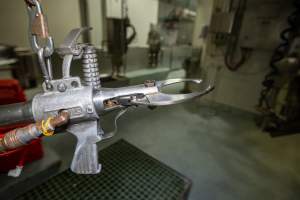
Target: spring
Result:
[91, 75]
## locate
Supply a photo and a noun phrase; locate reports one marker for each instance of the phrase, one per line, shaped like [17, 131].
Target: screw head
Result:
[61, 87]
[89, 109]
[149, 83]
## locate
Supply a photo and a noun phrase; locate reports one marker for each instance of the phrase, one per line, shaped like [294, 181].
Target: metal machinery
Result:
[118, 24]
[73, 104]
[225, 33]
[280, 99]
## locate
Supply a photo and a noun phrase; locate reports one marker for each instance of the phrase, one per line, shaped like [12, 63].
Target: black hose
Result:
[279, 53]
[234, 38]
[16, 113]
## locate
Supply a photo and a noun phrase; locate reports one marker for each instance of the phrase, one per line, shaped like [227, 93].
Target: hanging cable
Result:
[233, 40]
[280, 52]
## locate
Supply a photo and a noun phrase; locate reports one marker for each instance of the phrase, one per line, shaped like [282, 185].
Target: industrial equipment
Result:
[225, 32]
[118, 26]
[279, 100]
[74, 104]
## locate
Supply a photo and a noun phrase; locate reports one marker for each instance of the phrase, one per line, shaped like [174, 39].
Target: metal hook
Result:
[38, 29]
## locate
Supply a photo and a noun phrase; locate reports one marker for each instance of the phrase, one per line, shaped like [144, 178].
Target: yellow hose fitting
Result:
[47, 130]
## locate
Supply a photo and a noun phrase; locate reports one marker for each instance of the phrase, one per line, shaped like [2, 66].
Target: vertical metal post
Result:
[84, 19]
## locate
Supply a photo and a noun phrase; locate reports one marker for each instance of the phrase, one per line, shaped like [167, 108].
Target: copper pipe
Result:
[61, 119]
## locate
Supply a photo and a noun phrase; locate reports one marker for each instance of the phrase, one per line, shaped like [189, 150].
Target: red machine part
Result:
[11, 92]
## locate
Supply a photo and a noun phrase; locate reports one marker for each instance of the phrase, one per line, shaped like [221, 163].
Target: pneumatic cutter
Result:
[76, 104]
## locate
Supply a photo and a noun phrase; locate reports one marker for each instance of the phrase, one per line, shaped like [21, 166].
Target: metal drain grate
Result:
[127, 174]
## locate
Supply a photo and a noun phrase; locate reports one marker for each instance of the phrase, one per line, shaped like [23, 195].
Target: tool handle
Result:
[85, 160]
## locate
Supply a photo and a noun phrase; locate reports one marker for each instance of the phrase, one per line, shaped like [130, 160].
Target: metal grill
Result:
[128, 173]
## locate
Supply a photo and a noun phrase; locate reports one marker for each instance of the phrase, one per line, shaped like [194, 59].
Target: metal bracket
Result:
[61, 85]
[70, 50]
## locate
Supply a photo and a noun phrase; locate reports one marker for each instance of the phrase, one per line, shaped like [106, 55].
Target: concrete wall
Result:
[63, 15]
[241, 89]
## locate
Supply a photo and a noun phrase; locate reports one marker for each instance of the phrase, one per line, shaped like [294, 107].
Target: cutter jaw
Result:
[147, 94]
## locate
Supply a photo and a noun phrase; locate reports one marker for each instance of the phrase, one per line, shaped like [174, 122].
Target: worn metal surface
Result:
[144, 94]
[85, 160]
[76, 99]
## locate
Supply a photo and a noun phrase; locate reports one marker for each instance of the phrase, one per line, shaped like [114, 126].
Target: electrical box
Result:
[262, 24]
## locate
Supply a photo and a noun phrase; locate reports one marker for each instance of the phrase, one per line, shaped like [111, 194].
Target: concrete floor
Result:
[220, 150]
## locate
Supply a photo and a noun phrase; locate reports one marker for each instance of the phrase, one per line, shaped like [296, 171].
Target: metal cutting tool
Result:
[76, 104]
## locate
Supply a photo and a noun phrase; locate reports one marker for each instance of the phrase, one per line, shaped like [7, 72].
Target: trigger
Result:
[115, 130]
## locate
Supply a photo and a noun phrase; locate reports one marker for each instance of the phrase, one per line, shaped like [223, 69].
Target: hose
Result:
[22, 136]
[16, 114]
[233, 40]
[279, 53]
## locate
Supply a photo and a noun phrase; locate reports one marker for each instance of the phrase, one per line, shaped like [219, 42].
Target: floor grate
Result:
[128, 173]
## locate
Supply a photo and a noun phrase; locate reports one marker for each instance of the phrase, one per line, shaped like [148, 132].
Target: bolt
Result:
[149, 83]
[89, 109]
[74, 84]
[61, 87]
[48, 85]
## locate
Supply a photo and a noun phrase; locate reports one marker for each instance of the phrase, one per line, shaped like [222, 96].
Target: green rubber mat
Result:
[127, 174]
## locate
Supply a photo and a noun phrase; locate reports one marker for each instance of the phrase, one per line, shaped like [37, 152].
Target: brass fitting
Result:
[47, 127]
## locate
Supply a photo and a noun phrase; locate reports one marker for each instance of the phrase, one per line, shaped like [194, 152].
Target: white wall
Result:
[141, 14]
[203, 16]
[95, 18]
[63, 15]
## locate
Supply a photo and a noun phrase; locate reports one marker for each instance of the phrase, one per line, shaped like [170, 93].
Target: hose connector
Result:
[22, 136]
